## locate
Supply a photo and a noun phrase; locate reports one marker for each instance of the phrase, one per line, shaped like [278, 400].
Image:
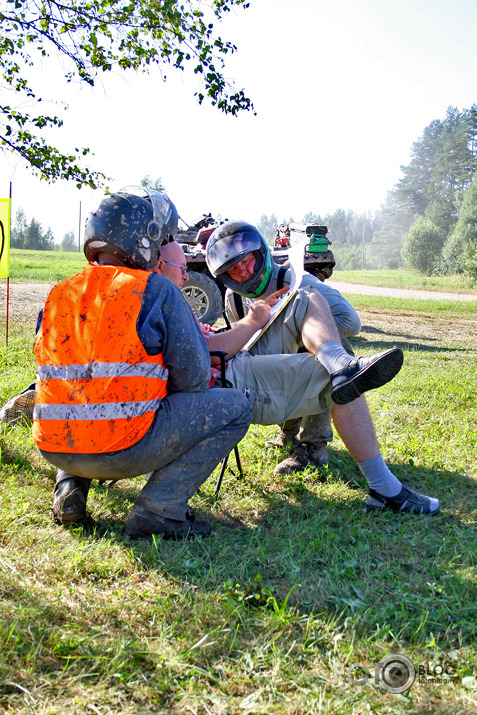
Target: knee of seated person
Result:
[318, 307]
[348, 322]
[316, 297]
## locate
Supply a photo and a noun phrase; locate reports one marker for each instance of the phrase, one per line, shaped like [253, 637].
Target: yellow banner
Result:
[4, 238]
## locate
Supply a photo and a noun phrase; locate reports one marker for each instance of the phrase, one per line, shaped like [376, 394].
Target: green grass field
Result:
[298, 583]
[43, 266]
[408, 279]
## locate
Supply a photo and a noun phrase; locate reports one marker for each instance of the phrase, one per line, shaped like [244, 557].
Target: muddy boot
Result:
[281, 440]
[142, 523]
[303, 456]
[69, 499]
[288, 432]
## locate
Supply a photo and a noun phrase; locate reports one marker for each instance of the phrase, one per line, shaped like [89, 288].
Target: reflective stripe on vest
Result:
[103, 411]
[93, 370]
[97, 388]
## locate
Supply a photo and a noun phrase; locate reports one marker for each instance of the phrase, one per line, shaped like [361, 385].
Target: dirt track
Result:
[399, 292]
[26, 299]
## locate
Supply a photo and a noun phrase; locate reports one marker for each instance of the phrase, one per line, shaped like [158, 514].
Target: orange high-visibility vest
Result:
[97, 388]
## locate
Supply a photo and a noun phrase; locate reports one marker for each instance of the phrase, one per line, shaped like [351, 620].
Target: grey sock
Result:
[380, 478]
[333, 356]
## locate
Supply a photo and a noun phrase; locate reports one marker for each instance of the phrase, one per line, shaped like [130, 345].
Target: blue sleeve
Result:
[167, 325]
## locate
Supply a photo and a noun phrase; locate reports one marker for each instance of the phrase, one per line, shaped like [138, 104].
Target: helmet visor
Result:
[229, 250]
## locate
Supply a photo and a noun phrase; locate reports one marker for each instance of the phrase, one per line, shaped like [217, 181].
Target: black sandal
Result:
[407, 500]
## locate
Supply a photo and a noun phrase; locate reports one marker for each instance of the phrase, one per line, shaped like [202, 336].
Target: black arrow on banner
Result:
[2, 230]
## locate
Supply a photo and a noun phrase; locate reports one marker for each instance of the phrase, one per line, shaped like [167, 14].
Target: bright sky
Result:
[341, 88]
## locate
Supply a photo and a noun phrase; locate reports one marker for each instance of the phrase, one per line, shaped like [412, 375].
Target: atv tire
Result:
[204, 297]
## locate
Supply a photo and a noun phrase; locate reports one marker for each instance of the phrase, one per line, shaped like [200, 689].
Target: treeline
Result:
[30, 235]
[428, 222]
[429, 219]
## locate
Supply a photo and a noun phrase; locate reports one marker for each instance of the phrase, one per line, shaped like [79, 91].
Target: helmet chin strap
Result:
[261, 288]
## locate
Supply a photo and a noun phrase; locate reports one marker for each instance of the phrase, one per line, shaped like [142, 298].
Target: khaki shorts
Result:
[281, 387]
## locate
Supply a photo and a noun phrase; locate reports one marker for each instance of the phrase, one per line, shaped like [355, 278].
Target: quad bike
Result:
[318, 259]
[205, 295]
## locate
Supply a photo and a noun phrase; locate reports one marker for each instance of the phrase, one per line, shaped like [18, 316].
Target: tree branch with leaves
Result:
[97, 36]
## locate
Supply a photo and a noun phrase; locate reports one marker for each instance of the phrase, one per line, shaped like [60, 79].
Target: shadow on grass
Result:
[314, 543]
[371, 330]
[406, 343]
[309, 568]
[308, 538]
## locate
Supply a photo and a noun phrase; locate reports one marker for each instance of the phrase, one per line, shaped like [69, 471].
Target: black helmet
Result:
[131, 227]
[231, 242]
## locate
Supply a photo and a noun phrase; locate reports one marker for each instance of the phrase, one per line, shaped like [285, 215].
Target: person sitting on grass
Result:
[257, 275]
[284, 387]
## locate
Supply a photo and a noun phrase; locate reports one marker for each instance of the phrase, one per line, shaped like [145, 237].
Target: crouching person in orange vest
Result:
[123, 373]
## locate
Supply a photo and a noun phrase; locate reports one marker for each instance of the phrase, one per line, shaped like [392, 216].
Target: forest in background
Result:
[29, 234]
[429, 219]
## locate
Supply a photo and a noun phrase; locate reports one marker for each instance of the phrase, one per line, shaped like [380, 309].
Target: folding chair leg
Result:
[224, 467]
[239, 464]
[110, 484]
[221, 475]
[221, 355]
